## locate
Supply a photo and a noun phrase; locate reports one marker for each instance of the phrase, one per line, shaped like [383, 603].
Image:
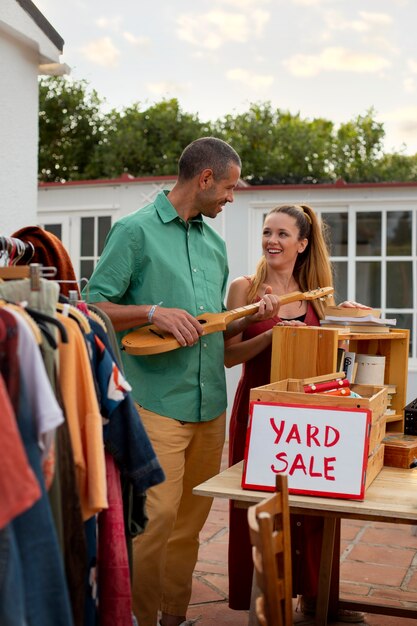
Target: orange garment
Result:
[84, 419]
[19, 488]
[50, 252]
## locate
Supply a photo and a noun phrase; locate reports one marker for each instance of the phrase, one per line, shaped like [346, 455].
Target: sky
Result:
[333, 59]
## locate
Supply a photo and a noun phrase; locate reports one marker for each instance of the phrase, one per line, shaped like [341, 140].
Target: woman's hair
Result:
[312, 268]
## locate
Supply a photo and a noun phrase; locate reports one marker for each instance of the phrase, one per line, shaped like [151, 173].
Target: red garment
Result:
[306, 532]
[19, 488]
[115, 594]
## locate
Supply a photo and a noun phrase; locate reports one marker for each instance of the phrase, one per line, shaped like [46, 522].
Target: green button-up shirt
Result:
[150, 256]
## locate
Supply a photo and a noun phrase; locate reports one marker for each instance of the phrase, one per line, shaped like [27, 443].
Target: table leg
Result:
[325, 575]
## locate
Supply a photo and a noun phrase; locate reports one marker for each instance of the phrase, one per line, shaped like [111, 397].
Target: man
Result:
[163, 264]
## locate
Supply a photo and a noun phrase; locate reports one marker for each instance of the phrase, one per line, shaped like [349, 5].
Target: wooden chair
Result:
[269, 527]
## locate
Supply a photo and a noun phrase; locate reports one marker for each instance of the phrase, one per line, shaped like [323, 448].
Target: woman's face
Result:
[280, 240]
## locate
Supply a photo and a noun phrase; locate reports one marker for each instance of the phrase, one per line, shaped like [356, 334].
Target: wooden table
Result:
[392, 497]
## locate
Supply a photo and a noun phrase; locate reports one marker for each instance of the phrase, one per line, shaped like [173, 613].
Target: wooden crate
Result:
[301, 351]
[375, 465]
[400, 450]
[374, 398]
[377, 433]
[291, 391]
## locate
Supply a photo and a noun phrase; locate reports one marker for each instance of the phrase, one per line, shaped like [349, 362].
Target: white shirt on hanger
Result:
[46, 410]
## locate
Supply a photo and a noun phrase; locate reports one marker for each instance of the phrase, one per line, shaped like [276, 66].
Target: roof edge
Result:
[42, 22]
[128, 178]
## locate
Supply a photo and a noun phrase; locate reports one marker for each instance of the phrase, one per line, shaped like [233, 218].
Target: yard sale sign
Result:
[322, 450]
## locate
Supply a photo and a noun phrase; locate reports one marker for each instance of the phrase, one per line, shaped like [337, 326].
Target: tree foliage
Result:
[78, 141]
[277, 147]
[358, 149]
[145, 142]
[71, 126]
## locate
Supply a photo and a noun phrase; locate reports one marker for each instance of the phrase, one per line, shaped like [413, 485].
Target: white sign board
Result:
[322, 450]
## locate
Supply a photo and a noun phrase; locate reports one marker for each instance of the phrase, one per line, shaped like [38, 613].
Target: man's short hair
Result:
[207, 152]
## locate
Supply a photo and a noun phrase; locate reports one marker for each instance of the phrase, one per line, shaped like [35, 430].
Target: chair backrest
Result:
[269, 527]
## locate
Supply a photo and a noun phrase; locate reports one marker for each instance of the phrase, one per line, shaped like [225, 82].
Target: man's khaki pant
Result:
[164, 556]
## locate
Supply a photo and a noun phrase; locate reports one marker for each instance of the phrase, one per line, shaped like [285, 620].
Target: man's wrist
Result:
[151, 312]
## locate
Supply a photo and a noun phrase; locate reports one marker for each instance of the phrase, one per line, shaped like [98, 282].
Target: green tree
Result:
[278, 147]
[146, 142]
[77, 141]
[397, 167]
[358, 149]
[71, 125]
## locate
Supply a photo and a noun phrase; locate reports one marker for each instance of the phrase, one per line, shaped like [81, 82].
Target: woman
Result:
[295, 258]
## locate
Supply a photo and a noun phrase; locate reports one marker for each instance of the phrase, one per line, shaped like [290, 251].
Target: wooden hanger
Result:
[25, 315]
[14, 271]
[75, 314]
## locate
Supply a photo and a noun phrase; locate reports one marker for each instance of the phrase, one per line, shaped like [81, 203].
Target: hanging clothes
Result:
[19, 488]
[86, 451]
[50, 252]
[31, 539]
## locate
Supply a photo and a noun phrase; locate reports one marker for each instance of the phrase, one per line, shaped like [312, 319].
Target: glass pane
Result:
[399, 285]
[55, 229]
[404, 320]
[368, 283]
[337, 224]
[104, 224]
[86, 269]
[368, 234]
[87, 236]
[340, 281]
[398, 233]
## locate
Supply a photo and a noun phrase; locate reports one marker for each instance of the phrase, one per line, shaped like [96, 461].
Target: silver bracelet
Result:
[152, 311]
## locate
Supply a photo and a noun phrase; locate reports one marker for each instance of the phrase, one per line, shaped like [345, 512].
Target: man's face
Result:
[217, 193]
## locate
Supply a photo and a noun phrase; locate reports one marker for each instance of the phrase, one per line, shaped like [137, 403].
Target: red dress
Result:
[306, 532]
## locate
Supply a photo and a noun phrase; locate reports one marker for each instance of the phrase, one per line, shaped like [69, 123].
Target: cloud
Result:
[367, 22]
[250, 79]
[375, 18]
[312, 3]
[334, 59]
[102, 52]
[409, 82]
[142, 42]
[243, 4]
[412, 65]
[110, 23]
[213, 29]
[166, 88]
[403, 121]
[409, 85]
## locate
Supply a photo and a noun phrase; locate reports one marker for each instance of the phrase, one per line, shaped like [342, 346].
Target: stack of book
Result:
[392, 390]
[350, 320]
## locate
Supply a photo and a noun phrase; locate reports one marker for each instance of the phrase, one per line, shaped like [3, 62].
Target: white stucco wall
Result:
[238, 224]
[23, 46]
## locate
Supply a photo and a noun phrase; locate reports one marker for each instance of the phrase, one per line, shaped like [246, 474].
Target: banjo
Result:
[150, 339]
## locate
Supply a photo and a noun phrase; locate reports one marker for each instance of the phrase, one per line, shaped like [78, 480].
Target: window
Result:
[92, 237]
[375, 261]
[55, 229]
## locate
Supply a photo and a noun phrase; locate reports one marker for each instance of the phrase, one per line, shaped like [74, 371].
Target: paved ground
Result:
[378, 562]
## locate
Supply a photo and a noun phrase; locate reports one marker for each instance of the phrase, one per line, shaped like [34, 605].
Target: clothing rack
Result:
[34, 271]
[13, 250]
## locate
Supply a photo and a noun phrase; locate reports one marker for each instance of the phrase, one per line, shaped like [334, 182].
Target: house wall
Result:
[23, 46]
[239, 224]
